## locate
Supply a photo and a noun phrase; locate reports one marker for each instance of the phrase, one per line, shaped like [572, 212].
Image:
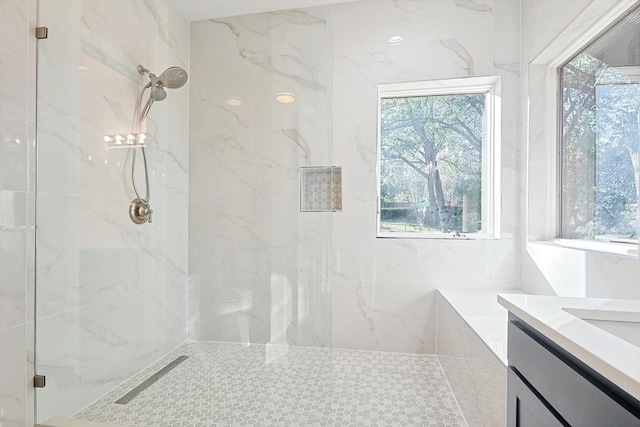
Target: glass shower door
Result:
[111, 294]
[230, 260]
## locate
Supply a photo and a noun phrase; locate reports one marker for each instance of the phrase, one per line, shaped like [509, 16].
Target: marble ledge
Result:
[615, 358]
[486, 318]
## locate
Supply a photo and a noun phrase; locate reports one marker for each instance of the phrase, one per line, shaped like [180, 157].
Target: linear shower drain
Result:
[150, 381]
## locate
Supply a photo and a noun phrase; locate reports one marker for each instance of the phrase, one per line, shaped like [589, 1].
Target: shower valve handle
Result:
[140, 211]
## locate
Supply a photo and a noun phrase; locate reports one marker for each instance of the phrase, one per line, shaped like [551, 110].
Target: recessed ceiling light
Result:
[234, 101]
[285, 97]
[395, 40]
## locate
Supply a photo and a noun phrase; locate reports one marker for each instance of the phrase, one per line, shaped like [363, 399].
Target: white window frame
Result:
[491, 147]
[554, 85]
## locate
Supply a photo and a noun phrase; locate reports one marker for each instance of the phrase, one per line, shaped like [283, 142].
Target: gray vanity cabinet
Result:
[548, 387]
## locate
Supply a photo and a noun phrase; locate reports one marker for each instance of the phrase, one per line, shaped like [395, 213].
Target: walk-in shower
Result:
[257, 293]
[173, 78]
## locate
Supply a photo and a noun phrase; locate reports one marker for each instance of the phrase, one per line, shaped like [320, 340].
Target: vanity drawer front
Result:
[582, 399]
[527, 409]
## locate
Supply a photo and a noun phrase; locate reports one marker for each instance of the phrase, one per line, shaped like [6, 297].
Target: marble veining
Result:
[474, 5]
[462, 53]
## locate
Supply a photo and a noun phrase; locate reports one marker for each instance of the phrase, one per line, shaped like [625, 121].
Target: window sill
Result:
[435, 236]
[616, 249]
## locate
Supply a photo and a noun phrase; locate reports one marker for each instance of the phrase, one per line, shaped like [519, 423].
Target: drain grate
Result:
[150, 381]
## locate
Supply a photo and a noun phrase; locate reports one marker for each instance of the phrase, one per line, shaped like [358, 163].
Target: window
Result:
[600, 138]
[438, 154]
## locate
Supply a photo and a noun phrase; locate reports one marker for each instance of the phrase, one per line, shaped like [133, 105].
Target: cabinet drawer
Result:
[528, 409]
[580, 397]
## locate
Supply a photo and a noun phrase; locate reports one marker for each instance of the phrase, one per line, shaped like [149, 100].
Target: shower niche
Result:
[320, 189]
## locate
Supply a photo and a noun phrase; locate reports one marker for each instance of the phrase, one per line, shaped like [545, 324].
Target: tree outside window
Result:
[600, 138]
[433, 161]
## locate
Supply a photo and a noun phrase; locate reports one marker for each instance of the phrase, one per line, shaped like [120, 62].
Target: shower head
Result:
[172, 77]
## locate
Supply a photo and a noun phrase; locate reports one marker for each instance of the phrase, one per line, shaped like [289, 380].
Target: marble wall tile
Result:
[472, 44]
[247, 241]
[14, 27]
[506, 16]
[256, 81]
[262, 35]
[542, 20]
[16, 372]
[383, 316]
[92, 349]
[14, 146]
[279, 310]
[71, 228]
[601, 268]
[237, 156]
[360, 70]
[446, 20]
[254, 166]
[359, 255]
[355, 147]
[63, 19]
[13, 278]
[477, 377]
[71, 135]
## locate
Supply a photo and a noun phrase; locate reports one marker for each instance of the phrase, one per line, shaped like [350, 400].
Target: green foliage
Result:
[432, 154]
[600, 150]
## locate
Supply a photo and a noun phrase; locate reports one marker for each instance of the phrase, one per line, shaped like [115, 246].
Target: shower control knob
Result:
[140, 211]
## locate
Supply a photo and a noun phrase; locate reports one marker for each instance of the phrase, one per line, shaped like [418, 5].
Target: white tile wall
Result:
[383, 288]
[242, 167]
[247, 235]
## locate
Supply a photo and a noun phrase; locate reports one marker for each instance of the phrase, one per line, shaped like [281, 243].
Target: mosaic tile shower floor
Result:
[223, 384]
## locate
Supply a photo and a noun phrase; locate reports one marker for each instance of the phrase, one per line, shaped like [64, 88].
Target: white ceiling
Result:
[196, 10]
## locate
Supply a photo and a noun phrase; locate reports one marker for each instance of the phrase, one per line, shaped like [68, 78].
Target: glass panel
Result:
[431, 164]
[111, 294]
[600, 134]
[228, 261]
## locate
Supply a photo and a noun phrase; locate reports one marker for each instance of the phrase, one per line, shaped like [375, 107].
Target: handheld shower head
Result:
[158, 93]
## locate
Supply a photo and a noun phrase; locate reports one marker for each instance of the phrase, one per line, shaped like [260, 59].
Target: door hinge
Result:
[42, 33]
[39, 381]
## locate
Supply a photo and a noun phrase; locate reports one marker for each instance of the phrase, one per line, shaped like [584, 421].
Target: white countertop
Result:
[614, 358]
